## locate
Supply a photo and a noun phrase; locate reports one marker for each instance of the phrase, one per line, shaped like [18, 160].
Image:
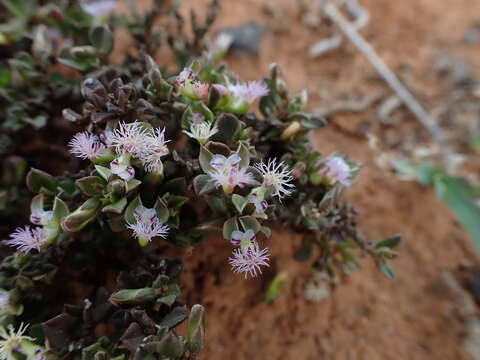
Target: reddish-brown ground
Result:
[368, 316]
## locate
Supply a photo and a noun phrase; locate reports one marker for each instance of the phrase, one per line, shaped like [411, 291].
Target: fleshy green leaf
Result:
[204, 159]
[91, 185]
[101, 37]
[117, 207]
[104, 172]
[38, 180]
[390, 242]
[249, 222]
[230, 226]
[129, 218]
[240, 202]
[203, 184]
[195, 329]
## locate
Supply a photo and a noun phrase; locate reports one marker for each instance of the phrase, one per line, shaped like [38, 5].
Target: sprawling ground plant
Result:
[166, 157]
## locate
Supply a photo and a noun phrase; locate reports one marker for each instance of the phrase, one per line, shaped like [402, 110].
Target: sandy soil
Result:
[368, 316]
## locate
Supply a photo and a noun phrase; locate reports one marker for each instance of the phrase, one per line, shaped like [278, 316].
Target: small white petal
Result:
[277, 176]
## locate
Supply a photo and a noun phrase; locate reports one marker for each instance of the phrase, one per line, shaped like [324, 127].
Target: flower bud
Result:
[291, 130]
[195, 329]
[85, 51]
[134, 296]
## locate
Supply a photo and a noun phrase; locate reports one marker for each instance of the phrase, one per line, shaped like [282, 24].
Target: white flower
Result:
[185, 76]
[230, 178]
[86, 146]
[147, 225]
[12, 340]
[277, 176]
[131, 138]
[201, 132]
[220, 162]
[41, 217]
[338, 170]
[249, 261]
[27, 239]
[154, 150]
[220, 45]
[122, 168]
[260, 204]
[250, 91]
[98, 7]
[227, 173]
[238, 238]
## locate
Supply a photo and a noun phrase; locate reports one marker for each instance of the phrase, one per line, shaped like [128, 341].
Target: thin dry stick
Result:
[390, 78]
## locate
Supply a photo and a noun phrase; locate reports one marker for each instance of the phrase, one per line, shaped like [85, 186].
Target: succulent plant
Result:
[162, 158]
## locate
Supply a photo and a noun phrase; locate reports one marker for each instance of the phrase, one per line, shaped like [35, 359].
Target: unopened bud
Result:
[85, 51]
[291, 130]
[195, 329]
[134, 296]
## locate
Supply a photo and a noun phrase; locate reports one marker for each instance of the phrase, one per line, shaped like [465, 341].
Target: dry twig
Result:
[331, 11]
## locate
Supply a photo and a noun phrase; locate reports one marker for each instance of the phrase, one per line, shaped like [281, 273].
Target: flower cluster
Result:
[137, 140]
[276, 182]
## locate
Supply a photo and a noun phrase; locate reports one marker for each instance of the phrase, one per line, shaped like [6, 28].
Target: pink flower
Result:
[27, 239]
[86, 146]
[250, 91]
[155, 148]
[277, 176]
[131, 138]
[338, 170]
[200, 89]
[228, 174]
[249, 261]
[229, 179]
[147, 225]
